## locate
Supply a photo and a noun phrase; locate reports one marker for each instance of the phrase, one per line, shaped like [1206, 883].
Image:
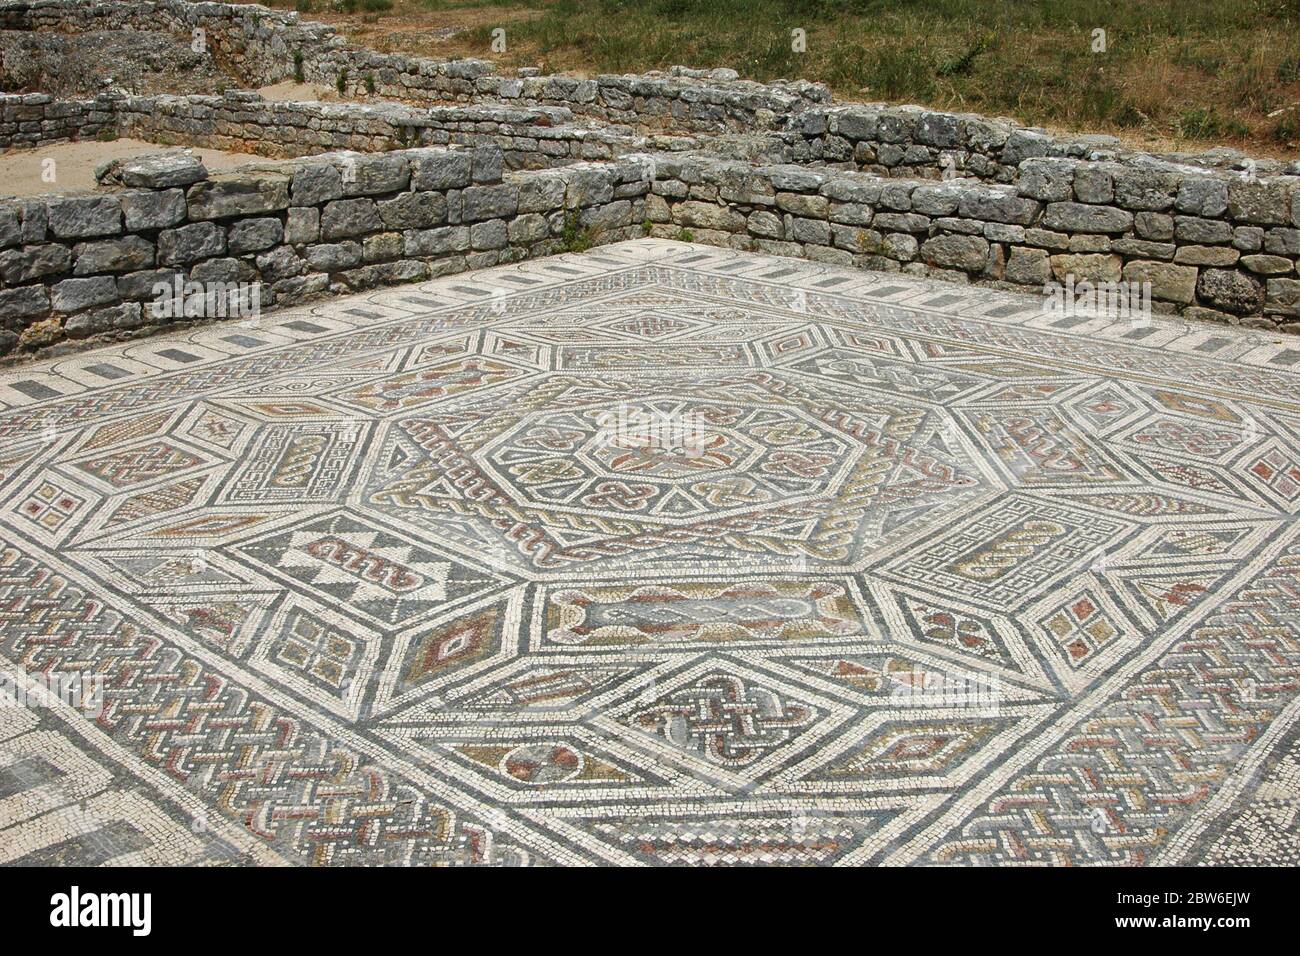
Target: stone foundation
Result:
[242, 121]
[73, 267]
[1210, 243]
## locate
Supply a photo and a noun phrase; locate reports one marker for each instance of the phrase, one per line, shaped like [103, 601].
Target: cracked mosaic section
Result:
[413, 579]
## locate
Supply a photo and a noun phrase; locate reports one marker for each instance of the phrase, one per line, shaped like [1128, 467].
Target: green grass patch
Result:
[574, 237]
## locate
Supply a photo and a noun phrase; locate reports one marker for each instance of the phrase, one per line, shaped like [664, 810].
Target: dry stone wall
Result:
[1209, 243]
[910, 141]
[259, 46]
[77, 266]
[243, 121]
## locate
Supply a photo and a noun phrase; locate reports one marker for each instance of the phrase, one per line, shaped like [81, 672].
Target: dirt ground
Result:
[441, 33]
[22, 171]
[287, 91]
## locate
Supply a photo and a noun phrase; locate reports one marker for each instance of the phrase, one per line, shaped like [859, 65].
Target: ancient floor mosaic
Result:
[657, 555]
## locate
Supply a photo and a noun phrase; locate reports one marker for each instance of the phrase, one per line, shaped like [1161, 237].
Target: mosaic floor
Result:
[659, 554]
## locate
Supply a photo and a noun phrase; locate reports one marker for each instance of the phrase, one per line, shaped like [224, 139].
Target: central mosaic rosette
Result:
[735, 469]
[668, 459]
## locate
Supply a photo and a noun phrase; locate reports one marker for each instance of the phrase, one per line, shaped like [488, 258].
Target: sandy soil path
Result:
[26, 172]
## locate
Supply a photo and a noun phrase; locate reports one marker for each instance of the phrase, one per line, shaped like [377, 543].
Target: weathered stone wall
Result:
[911, 141]
[914, 142]
[77, 266]
[37, 119]
[242, 121]
[81, 65]
[1210, 243]
[257, 46]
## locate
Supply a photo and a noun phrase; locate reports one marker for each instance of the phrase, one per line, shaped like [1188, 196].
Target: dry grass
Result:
[1176, 73]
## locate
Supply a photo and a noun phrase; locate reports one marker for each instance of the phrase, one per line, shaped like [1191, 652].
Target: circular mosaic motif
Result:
[735, 468]
[668, 459]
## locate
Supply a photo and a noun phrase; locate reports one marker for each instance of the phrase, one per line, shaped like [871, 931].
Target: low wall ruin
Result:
[243, 121]
[77, 266]
[259, 46]
[1209, 243]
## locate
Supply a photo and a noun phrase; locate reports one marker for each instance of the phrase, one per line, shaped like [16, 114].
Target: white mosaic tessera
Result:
[661, 553]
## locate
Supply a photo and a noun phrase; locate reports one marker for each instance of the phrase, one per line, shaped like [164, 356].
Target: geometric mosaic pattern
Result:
[657, 555]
